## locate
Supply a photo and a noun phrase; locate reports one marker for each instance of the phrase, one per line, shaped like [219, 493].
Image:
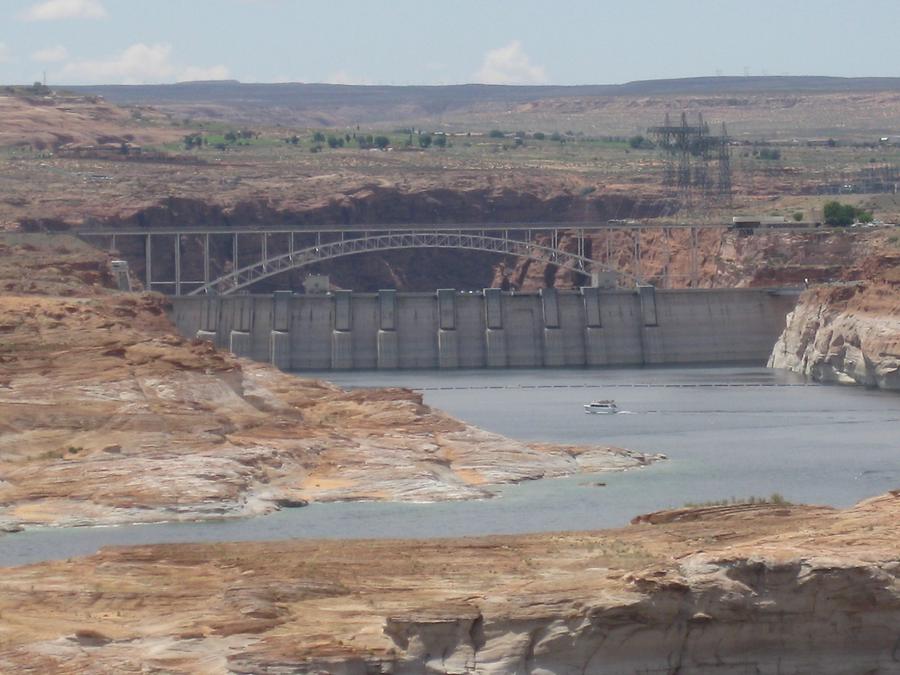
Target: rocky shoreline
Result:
[730, 590]
[848, 334]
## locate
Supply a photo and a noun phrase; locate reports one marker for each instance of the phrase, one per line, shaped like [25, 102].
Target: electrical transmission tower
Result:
[690, 151]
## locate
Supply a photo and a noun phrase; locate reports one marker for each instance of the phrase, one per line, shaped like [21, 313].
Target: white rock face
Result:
[849, 335]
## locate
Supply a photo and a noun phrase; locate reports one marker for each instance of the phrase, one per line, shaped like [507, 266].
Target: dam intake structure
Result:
[447, 329]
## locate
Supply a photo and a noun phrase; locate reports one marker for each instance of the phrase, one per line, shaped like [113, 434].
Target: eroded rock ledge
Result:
[848, 334]
[756, 588]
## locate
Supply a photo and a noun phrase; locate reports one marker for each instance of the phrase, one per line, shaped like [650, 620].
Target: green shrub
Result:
[841, 215]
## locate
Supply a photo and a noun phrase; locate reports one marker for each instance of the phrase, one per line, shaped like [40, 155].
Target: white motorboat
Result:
[605, 407]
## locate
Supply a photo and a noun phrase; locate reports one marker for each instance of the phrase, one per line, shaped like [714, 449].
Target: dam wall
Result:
[491, 329]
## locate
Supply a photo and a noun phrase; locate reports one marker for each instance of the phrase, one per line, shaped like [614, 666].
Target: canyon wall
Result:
[846, 333]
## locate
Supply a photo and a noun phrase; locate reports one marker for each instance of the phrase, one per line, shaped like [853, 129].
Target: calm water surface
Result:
[728, 432]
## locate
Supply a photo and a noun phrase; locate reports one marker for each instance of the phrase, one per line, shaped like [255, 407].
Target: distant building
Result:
[316, 284]
[604, 279]
[121, 274]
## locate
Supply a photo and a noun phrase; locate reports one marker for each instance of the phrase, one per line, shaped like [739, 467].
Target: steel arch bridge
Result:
[169, 258]
[473, 241]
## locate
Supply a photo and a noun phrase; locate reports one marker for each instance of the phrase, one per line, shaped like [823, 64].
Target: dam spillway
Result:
[491, 329]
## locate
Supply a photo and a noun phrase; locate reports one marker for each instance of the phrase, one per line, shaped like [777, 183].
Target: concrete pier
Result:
[388, 350]
[495, 348]
[280, 349]
[491, 329]
[494, 335]
[554, 346]
[388, 343]
[240, 343]
[448, 343]
[341, 350]
[448, 349]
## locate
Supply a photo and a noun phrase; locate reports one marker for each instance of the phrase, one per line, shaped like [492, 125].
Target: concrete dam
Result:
[492, 328]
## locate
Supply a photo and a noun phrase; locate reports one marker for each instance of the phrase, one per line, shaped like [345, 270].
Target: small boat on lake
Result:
[604, 407]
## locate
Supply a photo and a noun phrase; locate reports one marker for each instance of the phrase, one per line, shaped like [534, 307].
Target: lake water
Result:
[728, 432]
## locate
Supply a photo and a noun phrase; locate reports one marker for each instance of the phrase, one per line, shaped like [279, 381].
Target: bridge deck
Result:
[387, 227]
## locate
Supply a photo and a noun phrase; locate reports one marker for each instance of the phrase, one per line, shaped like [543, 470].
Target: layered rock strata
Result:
[728, 590]
[846, 333]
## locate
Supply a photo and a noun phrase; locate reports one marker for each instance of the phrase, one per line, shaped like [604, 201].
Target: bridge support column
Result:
[495, 336]
[341, 335]
[652, 348]
[387, 343]
[448, 342]
[554, 352]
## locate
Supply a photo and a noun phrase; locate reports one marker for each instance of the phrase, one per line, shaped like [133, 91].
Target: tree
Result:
[539, 135]
[841, 215]
[381, 142]
[193, 140]
[440, 140]
[798, 216]
[636, 142]
[496, 133]
[335, 142]
[424, 140]
[318, 137]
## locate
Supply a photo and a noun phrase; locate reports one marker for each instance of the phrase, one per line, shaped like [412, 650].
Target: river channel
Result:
[727, 431]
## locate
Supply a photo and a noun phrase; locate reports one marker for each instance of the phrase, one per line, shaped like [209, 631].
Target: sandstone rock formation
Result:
[107, 416]
[849, 332]
[730, 590]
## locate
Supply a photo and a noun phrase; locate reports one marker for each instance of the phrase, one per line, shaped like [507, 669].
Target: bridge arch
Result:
[270, 266]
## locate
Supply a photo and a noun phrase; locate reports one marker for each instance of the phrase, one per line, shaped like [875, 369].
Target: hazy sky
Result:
[424, 42]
